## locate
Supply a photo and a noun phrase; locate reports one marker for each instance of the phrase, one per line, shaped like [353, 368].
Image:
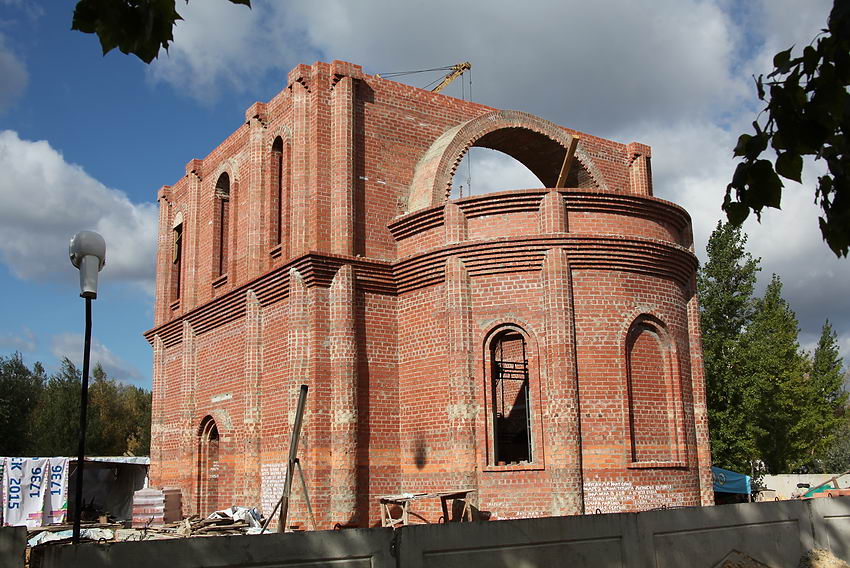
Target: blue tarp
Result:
[726, 481]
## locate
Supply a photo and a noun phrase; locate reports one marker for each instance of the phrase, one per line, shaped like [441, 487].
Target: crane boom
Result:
[456, 71]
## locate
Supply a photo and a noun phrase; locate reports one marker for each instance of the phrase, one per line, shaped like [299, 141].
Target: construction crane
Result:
[454, 71]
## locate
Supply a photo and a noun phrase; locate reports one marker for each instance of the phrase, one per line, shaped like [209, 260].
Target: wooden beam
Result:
[568, 161]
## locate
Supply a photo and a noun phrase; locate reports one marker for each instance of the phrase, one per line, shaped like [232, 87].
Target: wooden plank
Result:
[568, 161]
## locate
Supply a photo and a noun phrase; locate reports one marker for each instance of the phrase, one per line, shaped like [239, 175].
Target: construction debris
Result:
[819, 558]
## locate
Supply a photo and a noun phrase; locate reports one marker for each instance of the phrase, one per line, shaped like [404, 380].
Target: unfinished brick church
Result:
[539, 346]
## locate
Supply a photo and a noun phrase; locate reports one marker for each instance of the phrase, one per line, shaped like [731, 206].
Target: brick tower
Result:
[540, 346]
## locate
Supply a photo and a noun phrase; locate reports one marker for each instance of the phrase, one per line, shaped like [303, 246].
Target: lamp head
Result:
[88, 254]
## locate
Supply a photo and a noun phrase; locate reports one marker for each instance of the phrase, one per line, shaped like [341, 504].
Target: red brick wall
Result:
[385, 300]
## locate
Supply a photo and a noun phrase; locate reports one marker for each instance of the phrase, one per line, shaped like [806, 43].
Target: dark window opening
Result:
[222, 196]
[277, 190]
[176, 261]
[510, 400]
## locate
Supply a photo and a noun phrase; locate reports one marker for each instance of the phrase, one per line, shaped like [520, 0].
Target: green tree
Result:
[57, 416]
[807, 114]
[726, 284]
[836, 457]
[778, 414]
[118, 417]
[139, 27]
[20, 390]
[827, 399]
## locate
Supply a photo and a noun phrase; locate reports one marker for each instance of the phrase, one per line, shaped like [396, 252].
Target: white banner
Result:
[56, 504]
[25, 486]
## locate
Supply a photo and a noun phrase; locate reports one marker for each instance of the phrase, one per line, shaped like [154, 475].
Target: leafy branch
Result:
[807, 114]
[139, 27]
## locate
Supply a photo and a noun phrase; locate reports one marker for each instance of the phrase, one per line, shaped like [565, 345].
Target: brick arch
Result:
[284, 132]
[654, 407]
[529, 452]
[229, 167]
[538, 144]
[208, 465]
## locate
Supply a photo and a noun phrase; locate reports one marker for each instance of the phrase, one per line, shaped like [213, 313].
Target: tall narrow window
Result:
[510, 396]
[653, 393]
[222, 221]
[176, 260]
[277, 180]
[208, 467]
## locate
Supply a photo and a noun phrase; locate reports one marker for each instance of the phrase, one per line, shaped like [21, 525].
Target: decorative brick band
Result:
[647, 256]
[580, 200]
[316, 269]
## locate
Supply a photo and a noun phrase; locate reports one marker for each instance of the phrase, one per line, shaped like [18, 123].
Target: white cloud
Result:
[669, 60]
[591, 65]
[219, 46]
[489, 171]
[23, 340]
[14, 74]
[70, 345]
[45, 200]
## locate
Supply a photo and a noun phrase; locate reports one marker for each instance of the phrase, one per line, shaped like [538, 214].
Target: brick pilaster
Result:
[700, 406]
[191, 241]
[344, 412]
[253, 420]
[158, 403]
[163, 264]
[552, 215]
[254, 191]
[455, 223]
[298, 218]
[342, 167]
[640, 171]
[188, 427]
[462, 408]
[300, 370]
[563, 432]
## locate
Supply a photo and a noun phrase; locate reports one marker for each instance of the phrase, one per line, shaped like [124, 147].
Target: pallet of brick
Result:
[173, 504]
[148, 508]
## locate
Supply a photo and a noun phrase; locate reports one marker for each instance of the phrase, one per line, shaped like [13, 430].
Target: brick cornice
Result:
[505, 255]
[316, 269]
[577, 200]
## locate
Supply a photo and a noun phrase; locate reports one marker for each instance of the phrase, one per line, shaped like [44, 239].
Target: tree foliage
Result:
[771, 407]
[836, 457]
[140, 27]
[47, 423]
[807, 114]
[726, 283]
[20, 388]
[780, 412]
[57, 418]
[832, 452]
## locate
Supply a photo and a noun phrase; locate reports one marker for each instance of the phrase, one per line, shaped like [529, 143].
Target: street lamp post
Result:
[88, 254]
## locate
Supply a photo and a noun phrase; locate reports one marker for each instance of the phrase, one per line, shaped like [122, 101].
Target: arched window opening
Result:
[221, 224]
[510, 399]
[652, 394]
[208, 467]
[277, 194]
[484, 170]
[177, 239]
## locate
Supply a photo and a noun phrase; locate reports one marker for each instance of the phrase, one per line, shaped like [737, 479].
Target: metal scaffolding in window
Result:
[510, 396]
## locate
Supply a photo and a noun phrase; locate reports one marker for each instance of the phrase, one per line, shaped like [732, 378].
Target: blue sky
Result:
[86, 140]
